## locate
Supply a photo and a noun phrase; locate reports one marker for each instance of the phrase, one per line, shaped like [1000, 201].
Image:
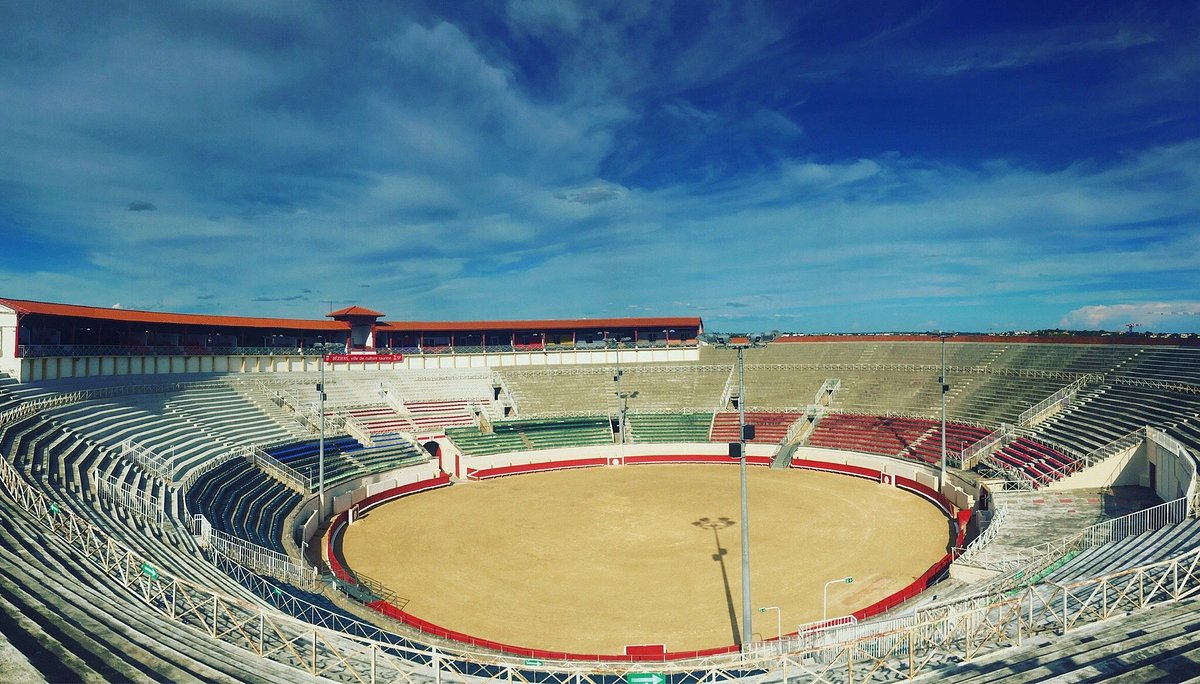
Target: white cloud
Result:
[1151, 316]
[423, 155]
[809, 173]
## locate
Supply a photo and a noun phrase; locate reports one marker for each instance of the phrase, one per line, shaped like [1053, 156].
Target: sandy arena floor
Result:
[588, 561]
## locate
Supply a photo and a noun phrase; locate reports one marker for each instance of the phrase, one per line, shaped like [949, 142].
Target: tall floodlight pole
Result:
[745, 432]
[622, 407]
[945, 387]
[746, 631]
[321, 444]
[621, 418]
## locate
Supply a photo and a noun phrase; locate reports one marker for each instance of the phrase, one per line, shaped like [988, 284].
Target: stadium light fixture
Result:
[623, 397]
[825, 594]
[778, 619]
[738, 450]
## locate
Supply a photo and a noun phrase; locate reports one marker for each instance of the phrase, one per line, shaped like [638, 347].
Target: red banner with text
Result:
[363, 358]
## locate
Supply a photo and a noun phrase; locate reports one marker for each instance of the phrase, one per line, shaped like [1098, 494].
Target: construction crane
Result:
[1130, 326]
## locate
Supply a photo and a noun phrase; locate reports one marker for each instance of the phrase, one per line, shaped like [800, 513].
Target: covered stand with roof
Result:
[77, 340]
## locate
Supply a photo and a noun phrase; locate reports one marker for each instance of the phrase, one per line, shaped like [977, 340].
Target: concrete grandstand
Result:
[165, 511]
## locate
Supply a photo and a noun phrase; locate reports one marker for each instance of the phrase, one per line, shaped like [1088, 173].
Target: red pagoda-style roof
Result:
[354, 311]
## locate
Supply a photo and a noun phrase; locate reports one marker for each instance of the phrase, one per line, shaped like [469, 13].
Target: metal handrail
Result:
[985, 538]
[270, 465]
[984, 446]
[257, 558]
[1060, 398]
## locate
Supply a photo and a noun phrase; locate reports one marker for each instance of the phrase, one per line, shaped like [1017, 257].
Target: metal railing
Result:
[830, 387]
[211, 464]
[1168, 385]
[153, 464]
[82, 350]
[980, 543]
[391, 396]
[141, 503]
[1024, 564]
[936, 635]
[79, 350]
[997, 439]
[257, 558]
[1060, 399]
[798, 428]
[32, 406]
[1185, 457]
[1114, 447]
[287, 475]
[356, 429]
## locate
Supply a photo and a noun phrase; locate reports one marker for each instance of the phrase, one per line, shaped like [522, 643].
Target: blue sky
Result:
[806, 166]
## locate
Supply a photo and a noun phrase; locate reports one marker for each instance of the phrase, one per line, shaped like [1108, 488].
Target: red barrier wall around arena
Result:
[391, 611]
[545, 466]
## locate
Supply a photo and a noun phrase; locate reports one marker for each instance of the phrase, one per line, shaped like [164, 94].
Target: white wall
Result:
[608, 452]
[8, 342]
[958, 491]
[1174, 473]
[343, 495]
[1124, 468]
[61, 367]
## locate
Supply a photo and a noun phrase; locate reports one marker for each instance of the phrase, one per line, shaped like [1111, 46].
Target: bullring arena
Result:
[197, 498]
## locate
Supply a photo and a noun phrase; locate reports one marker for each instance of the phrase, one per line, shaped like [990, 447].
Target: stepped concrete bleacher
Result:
[345, 458]
[524, 435]
[402, 401]
[1163, 364]
[928, 448]
[591, 389]
[1034, 518]
[779, 388]
[1156, 645]
[770, 427]
[186, 428]
[992, 400]
[890, 436]
[240, 500]
[79, 625]
[1039, 463]
[475, 443]
[162, 542]
[381, 420]
[1131, 552]
[563, 432]
[67, 449]
[1105, 412]
[433, 416]
[921, 440]
[683, 428]
[8, 400]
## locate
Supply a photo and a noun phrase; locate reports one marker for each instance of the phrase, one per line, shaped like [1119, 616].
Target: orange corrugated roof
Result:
[137, 316]
[594, 324]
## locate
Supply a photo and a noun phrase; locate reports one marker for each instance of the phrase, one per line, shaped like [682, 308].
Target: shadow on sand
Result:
[716, 525]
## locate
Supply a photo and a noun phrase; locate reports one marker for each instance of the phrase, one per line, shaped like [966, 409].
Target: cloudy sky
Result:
[804, 166]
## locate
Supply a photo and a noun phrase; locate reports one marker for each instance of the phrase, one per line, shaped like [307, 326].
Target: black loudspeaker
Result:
[735, 450]
[747, 433]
